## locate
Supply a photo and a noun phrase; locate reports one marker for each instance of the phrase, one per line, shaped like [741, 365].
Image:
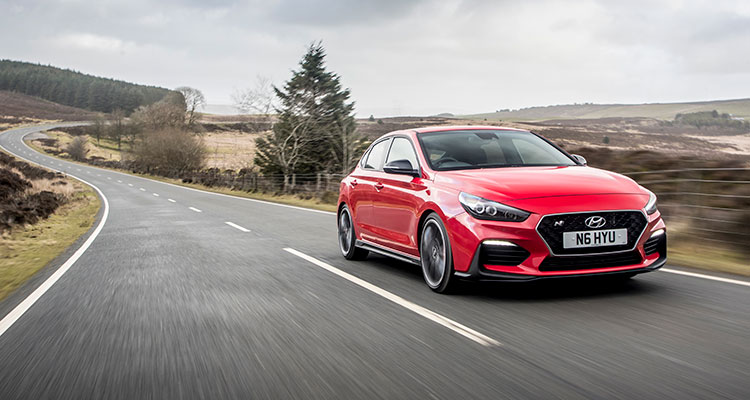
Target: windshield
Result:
[454, 150]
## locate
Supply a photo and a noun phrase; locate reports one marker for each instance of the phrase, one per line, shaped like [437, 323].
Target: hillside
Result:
[16, 105]
[76, 89]
[664, 111]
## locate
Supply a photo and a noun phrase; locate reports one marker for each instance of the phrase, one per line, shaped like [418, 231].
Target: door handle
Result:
[379, 186]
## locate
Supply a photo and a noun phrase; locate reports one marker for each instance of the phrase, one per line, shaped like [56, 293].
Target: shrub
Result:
[77, 148]
[169, 151]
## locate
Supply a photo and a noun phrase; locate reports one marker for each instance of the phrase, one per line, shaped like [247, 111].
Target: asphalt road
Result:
[172, 303]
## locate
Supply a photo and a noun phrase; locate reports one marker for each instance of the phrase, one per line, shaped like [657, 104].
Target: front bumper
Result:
[468, 236]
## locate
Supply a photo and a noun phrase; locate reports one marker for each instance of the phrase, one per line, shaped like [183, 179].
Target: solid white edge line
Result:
[710, 277]
[431, 315]
[29, 301]
[195, 209]
[233, 225]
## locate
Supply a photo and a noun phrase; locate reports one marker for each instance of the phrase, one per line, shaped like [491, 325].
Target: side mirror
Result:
[402, 167]
[579, 159]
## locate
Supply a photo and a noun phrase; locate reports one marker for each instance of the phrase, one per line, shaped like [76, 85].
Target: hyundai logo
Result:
[595, 222]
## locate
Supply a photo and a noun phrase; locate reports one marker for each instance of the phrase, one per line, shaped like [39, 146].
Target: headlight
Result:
[650, 207]
[481, 208]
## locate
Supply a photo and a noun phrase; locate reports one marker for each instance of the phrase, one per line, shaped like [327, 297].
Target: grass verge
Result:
[688, 253]
[25, 250]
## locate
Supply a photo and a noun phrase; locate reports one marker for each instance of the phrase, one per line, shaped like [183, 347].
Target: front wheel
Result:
[347, 238]
[436, 256]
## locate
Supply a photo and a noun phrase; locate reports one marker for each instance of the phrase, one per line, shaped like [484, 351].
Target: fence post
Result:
[294, 181]
[317, 183]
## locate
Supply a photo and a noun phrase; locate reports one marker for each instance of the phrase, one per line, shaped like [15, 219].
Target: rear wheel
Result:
[436, 256]
[347, 238]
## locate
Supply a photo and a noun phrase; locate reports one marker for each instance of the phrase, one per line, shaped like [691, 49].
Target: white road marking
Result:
[142, 190]
[130, 184]
[171, 201]
[431, 315]
[119, 181]
[195, 209]
[233, 225]
[29, 301]
[704, 276]
[156, 194]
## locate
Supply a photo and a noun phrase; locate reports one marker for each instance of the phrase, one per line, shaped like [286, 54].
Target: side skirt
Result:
[387, 252]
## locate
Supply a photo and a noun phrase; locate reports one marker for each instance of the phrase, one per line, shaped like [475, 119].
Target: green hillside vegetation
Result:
[75, 89]
[664, 111]
[704, 119]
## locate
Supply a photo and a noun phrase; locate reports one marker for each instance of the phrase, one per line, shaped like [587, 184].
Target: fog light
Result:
[657, 233]
[499, 243]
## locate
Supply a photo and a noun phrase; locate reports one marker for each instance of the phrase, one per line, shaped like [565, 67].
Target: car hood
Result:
[519, 183]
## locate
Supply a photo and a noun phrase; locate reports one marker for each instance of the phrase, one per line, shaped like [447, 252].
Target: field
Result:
[663, 111]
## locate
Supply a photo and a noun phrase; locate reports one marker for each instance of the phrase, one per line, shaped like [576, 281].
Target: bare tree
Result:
[258, 100]
[288, 144]
[116, 129]
[194, 100]
[347, 144]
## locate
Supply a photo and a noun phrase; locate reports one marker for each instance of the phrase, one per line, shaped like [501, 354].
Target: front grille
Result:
[502, 255]
[551, 228]
[552, 263]
[653, 244]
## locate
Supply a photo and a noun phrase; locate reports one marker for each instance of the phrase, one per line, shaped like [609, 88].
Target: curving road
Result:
[186, 294]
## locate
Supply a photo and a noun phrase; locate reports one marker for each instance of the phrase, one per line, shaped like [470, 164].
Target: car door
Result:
[364, 182]
[397, 200]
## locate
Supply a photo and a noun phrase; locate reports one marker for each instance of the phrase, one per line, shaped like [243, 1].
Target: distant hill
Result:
[665, 111]
[20, 105]
[75, 89]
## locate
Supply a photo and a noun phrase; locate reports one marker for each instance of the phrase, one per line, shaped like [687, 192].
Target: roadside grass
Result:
[25, 250]
[106, 148]
[683, 251]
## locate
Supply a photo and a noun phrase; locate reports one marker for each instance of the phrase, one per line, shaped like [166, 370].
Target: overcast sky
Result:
[403, 57]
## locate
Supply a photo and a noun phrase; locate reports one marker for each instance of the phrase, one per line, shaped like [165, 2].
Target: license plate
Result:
[605, 237]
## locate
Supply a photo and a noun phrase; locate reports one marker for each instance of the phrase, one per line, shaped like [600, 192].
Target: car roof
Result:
[429, 129]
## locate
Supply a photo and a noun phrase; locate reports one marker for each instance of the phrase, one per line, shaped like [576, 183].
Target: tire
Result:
[346, 237]
[436, 256]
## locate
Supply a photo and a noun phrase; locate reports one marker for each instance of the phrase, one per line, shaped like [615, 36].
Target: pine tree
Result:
[316, 130]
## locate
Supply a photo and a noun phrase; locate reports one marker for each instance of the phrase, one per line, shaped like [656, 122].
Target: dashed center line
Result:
[233, 225]
[130, 184]
[195, 209]
[156, 194]
[171, 201]
[119, 181]
[143, 190]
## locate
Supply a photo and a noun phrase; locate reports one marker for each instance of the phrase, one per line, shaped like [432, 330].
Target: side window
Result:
[402, 150]
[377, 154]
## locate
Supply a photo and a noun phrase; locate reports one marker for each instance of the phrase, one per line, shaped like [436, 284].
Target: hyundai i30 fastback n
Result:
[490, 203]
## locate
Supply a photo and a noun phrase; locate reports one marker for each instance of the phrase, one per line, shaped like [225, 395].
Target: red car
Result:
[490, 203]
